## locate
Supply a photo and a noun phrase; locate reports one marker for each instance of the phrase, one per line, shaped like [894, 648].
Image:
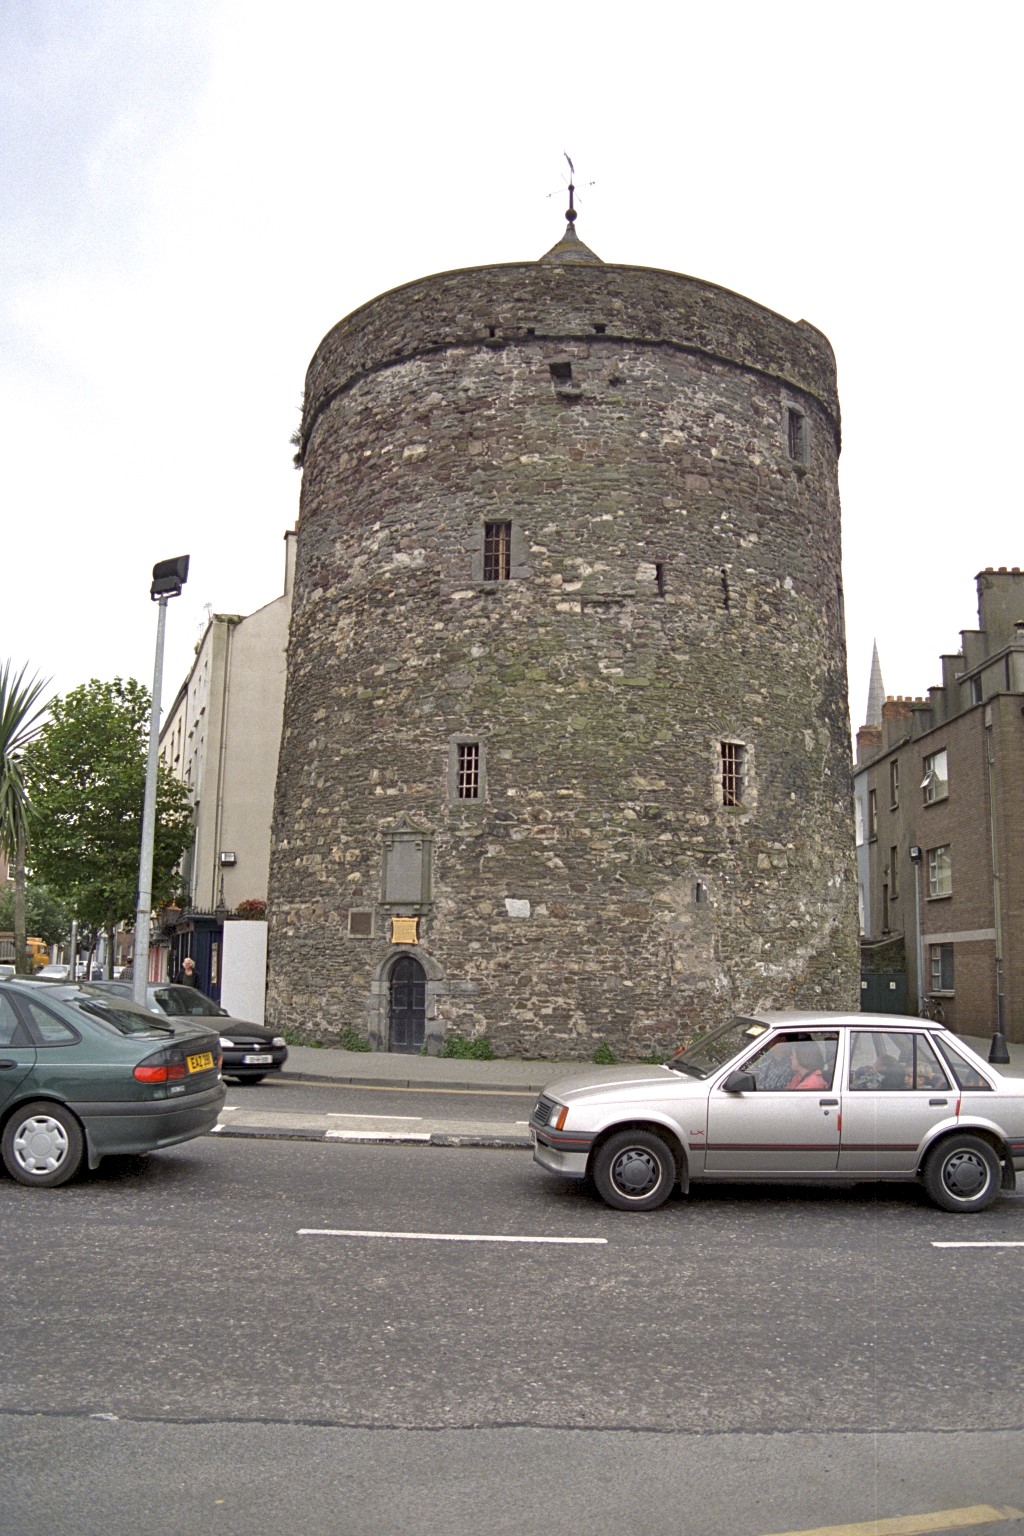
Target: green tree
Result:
[86, 773]
[20, 718]
[46, 917]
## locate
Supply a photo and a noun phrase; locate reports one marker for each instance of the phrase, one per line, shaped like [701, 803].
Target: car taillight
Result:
[161, 1068]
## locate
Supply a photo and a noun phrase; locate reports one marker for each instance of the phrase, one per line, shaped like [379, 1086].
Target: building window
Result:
[796, 435]
[360, 925]
[936, 778]
[466, 774]
[894, 783]
[940, 872]
[497, 551]
[941, 967]
[894, 879]
[733, 772]
[872, 813]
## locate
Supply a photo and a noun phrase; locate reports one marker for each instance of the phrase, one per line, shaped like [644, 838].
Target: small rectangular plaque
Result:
[405, 930]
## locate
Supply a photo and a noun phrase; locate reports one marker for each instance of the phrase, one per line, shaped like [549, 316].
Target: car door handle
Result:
[823, 1102]
[936, 1102]
[6, 1063]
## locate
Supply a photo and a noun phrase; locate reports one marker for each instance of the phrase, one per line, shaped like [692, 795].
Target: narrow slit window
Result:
[659, 577]
[733, 767]
[497, 551]
[467, 777]
[796, 435]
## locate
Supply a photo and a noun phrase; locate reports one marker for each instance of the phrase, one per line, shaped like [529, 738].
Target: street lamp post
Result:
[169, 576]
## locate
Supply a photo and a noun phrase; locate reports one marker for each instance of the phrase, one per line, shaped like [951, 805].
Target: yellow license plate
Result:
[201, 1063]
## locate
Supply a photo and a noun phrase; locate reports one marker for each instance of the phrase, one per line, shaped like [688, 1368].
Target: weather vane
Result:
[570, 212]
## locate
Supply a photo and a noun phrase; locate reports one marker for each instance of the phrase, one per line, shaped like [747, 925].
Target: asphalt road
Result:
[261, 1336]
[355, 1101]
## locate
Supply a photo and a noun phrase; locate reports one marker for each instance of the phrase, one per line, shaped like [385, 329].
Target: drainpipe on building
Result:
[998, 1054]
[915, 859]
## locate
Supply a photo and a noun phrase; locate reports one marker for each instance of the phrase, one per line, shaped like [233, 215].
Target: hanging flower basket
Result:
[254, 911]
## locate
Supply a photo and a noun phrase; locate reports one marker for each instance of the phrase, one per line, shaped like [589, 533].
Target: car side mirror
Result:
[740, 1082]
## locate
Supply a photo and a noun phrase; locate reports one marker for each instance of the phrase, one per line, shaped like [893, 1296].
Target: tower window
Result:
[659, 577]
[796, 435]
[467, 771]
[497, 551]
[733, 772]
[561, 372]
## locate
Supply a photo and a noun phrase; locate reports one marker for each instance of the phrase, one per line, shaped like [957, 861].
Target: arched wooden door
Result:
[407, 1005]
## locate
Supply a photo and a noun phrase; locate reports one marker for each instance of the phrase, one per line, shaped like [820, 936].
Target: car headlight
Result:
[225, 1043]
[279, 1040]
[556, 1114]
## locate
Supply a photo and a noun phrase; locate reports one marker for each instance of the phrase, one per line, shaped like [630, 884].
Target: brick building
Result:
[939, 788]
[565, 757]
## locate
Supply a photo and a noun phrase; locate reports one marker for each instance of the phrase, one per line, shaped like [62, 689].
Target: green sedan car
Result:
[82, 1077]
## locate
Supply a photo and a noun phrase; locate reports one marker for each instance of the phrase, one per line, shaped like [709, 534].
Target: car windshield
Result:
[124, 1016]
[711, 1051]
[186, 1003]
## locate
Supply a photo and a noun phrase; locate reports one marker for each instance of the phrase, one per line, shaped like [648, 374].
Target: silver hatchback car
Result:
[775, 1097]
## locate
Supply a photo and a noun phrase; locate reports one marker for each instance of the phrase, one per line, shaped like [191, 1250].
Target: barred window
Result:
[733, 771]
[497, 551]
[467, 785]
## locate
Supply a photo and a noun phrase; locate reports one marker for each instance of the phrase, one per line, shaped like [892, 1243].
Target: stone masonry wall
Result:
[675, 584]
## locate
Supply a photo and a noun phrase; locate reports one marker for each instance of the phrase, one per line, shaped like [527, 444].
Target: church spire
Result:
[876, 690]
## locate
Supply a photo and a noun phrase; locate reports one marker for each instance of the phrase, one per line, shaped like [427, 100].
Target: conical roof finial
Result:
[570, 249]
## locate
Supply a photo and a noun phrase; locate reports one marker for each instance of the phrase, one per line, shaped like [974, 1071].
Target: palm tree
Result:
[20, 717]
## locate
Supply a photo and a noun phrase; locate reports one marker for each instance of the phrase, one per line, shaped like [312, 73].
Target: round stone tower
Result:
[566, 755]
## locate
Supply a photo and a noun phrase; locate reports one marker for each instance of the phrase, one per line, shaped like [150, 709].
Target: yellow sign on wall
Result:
[405, 930]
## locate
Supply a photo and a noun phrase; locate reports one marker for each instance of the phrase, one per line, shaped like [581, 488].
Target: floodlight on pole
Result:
[169, 576]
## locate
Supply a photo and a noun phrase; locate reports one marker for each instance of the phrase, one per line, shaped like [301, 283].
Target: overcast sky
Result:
[192, 194]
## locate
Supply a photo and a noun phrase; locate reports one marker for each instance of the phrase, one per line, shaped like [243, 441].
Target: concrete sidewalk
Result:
[368, 1069]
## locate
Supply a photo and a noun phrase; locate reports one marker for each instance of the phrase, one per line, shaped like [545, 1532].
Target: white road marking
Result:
[338, 1115]
[377, 1135]
[978, 1245]
[447, 1237]
[228, 1109]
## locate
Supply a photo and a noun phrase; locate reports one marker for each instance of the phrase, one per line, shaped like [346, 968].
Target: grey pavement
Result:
[445, 1075]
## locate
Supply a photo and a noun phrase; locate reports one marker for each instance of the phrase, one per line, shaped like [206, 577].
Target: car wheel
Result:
[256, 1077]
[962, 1174]
[43, 1145]
[634, 1171]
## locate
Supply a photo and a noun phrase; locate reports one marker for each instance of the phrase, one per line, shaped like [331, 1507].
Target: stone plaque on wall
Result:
[408, 852]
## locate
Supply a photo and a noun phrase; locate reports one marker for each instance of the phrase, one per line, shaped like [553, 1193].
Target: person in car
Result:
[806, 1062]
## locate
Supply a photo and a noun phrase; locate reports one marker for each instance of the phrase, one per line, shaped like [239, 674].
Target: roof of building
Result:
[571, 250]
